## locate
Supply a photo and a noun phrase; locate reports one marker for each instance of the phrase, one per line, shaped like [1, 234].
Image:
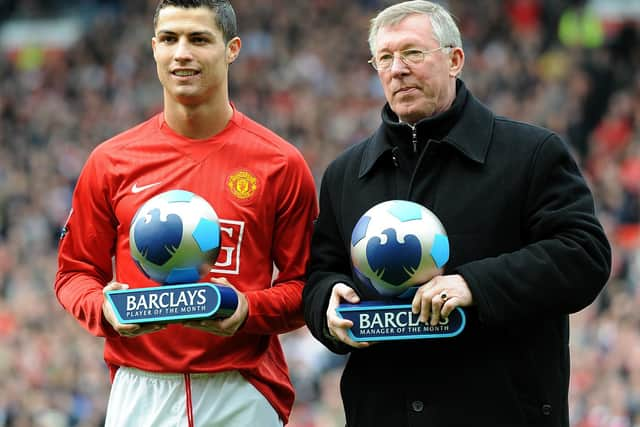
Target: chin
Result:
[186, 93]
[187, 99]
[409, 116]
[413, 114]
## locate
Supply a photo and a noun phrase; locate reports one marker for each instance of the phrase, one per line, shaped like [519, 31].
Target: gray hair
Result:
[444, 27]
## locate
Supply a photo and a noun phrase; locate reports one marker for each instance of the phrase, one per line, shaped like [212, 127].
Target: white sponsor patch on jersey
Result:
[231, 241]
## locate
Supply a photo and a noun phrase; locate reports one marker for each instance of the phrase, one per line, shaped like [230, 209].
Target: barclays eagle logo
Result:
[394, 262]
[158, 240]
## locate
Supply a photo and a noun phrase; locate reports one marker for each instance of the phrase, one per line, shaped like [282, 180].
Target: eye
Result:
[199, 40]
[413, 55]
[166, 38]
[384, 58]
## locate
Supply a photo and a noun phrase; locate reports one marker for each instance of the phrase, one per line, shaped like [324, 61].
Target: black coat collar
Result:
[470, 135]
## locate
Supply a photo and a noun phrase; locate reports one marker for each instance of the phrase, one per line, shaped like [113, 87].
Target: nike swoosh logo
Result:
[135, 189]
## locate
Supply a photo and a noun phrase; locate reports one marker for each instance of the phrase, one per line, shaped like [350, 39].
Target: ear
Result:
[154, 42]
[233, 49]
[456, 61]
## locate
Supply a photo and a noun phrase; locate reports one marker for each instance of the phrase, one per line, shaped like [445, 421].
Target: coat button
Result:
[546, 409]
[417, 406]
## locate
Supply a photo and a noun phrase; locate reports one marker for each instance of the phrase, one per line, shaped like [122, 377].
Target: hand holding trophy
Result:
[174, 239]
[396, 246]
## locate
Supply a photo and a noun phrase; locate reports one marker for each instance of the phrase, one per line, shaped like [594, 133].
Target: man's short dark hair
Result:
[222, 9]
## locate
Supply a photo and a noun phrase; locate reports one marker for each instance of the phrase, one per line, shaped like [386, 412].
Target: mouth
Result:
[184, 73]
[404, 90]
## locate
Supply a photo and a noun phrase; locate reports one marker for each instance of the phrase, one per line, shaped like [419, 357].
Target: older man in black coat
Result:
[526, 247]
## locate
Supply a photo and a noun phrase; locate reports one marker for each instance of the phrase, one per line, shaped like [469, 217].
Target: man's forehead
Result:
[418, 23]
[413, 29]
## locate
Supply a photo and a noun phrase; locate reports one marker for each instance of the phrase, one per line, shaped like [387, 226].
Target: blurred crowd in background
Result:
[74, 73]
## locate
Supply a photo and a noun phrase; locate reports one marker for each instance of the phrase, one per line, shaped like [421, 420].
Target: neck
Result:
[198, 121]
[438, 125]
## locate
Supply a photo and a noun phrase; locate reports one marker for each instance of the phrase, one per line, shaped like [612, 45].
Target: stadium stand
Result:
[73, 73]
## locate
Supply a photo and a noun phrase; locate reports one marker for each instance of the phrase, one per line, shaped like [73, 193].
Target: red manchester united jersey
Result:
[264, 195]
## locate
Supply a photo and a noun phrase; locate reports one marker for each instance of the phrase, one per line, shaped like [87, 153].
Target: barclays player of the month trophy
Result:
[396, 246]
[174, 239]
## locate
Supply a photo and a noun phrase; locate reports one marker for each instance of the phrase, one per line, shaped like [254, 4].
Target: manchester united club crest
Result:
[242, 184]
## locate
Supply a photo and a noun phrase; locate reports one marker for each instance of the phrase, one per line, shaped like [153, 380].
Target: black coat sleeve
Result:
[566, 260]
[329, 265]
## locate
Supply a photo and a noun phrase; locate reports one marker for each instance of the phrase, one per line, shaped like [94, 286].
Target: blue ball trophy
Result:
[396, 246]
[174, 238]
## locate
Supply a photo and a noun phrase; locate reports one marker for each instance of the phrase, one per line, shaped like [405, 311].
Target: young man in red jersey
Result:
[228, 372]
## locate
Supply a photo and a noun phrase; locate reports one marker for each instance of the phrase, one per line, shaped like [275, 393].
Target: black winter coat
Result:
[523, 234]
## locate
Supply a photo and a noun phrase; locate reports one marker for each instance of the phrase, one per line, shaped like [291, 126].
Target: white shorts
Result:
[139, 398]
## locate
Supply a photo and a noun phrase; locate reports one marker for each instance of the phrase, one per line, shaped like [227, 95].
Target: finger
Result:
[356, 344]
[135, 330]
[195, 325]
[128, 330]
[416, 302]
[345, 338]
[152, 328]
[448, 307]
[336, 323]
[436, 305]
[208, 329]
[338, 326]
[214, 326]
[425, 307]
[226, 326]
[420, 299]
[342, 335]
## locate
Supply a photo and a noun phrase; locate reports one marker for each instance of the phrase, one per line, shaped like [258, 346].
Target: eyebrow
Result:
[405, 46]
[193, 33]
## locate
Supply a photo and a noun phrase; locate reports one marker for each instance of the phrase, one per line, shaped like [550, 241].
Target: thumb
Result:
[115, 286]
[221, 281]
[347, 293]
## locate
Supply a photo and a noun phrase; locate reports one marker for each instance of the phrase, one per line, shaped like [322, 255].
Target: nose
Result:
[183, 51]
[398, 66]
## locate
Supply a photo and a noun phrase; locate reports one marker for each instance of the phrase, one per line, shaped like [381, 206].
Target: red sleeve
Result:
[86, 249]
[279, 309]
